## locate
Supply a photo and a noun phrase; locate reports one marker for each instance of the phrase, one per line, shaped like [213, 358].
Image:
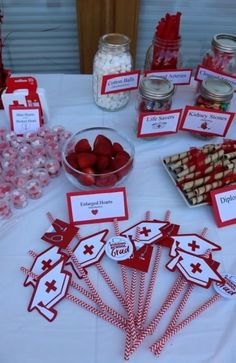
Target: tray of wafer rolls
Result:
[198, 171]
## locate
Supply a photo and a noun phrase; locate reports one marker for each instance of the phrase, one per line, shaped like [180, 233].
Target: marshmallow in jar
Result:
[112, 57]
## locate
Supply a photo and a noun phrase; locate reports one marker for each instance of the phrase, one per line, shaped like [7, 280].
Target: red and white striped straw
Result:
[142, 286]
[131, 334]
[92, 297]
[177, 287]
[111, 284]
[134, 276]
[185, 322]
[157, 347]
[153, 276]
[159, 344]
[97, 297]
[152, 281]
[82, 303]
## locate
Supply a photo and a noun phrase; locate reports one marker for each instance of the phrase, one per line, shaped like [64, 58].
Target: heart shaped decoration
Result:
[94, 211]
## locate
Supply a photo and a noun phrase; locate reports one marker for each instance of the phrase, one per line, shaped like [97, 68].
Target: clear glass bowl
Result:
[118, 163]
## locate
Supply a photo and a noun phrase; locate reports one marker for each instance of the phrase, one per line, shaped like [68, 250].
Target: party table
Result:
[76, 335]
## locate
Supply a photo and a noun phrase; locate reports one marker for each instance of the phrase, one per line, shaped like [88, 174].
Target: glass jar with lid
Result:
[155, 95]
[214, 94]
[222, 55]
[113, 57]
[163, 54]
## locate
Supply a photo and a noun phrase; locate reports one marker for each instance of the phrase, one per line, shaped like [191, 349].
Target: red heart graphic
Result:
[94, 211]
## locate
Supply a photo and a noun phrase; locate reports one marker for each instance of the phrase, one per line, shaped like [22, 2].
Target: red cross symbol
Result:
[88, 249]
[193, 245]
[145, 231]
[196, 268]
[46, 264]
[50, 285]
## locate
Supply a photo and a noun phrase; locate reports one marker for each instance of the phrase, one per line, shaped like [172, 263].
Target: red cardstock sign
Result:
[51, 288]
[158, 123]
[224, 205]
[44, 262]
[192, 243]
[140, 259]
[178, 77]
[103, 205]
[89, 250]
[206, 121]
[24, 119]
[60, 233]
[29, 84]
[205, 72]
[120, 82]
[196, 269]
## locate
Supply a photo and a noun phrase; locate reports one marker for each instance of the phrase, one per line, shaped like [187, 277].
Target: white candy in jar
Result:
[112, 57]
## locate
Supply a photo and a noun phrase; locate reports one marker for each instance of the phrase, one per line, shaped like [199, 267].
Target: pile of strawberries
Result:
[102, 164]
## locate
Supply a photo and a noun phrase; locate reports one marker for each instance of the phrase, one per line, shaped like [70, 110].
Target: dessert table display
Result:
[182, 320]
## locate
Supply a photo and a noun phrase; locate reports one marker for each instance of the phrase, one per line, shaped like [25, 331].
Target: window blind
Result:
[199, 22]
[40, 36]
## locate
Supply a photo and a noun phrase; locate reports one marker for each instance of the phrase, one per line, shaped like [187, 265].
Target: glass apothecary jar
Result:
[155, 95]
[163, 54]
[222, 55]
[214, 94]
[113, 57]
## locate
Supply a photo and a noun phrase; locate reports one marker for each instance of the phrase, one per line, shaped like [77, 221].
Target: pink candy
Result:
[19, 198]
[27, 164]
[5, 209]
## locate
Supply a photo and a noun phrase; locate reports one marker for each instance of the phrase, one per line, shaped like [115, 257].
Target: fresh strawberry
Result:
[82, 146]
[117, 148]
[101, 139]
[102, 146]
[122, 161]
[72, 160]
[102, 163]
[119, 161]
[87, 178]
[106, 180]
[86, 160]
[103, 149]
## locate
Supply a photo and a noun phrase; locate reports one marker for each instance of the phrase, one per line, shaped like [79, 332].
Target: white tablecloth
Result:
[76, 335]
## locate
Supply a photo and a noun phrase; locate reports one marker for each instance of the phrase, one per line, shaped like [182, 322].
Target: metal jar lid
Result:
[225, 42]
[115, 41]
[156, 88]
[216, 89]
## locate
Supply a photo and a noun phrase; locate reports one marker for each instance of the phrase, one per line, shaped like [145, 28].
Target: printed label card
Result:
[224, 205]
[24, 119]
[204, 121]
[97, 206]
[158, 123]
[178, 77]
[205, 72]
[120, 82]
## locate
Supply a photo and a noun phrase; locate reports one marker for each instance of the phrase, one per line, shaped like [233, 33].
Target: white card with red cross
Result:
[50, 288]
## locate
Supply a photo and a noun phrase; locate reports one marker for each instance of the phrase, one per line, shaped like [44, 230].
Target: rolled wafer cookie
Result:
[198, 199]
